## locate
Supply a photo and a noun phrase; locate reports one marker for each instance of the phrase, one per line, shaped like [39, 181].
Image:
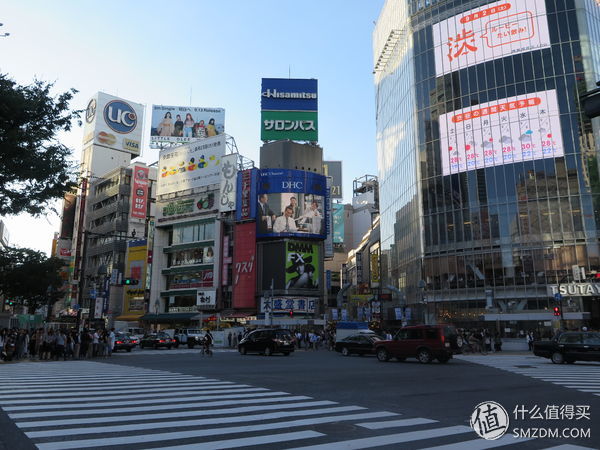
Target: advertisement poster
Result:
[334, 169]
[184, 208]
[509, 130]
[294, 125]
[190, 166]
[291, 203]
[338, 223]
[246, 194]
[244, 265]
[494, 30]
[139, 192]
[137, 257]
[227, 193]
[374, 266]
[114, 123]
[302, 265]
[190, 280]
[181, 124]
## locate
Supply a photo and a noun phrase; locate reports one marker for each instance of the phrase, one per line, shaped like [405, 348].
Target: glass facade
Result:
[487, 238]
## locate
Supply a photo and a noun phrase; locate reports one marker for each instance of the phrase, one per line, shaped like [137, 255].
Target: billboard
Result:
[244, 265]
[190, 280]
[186, 207]
[113, 123]
[137, 257]
[333, 169]
[191, 165]
[246, 194]
[289, 109]
[289, 94]
[338, 223]
[181, 124]
[521, 128]
[206, 299]
[291, 203]
[302, 265]
[227, 193]
[492, 31]
[139, 192]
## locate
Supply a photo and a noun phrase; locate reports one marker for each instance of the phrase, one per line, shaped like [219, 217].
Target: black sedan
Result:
[123, 342]
[157, 340]
[570, 347]
[360, 344]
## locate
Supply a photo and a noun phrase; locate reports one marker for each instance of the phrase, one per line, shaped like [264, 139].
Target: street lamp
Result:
[421, 285]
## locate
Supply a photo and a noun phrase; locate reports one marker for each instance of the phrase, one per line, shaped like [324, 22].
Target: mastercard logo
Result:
[107, 138]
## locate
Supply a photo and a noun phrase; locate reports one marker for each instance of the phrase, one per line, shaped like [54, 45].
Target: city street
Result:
[180, 399]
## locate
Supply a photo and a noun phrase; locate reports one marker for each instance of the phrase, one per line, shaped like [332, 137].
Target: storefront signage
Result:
[286, 304]
[244, 265]
[575, 289]
[185, 207]
[206, 299]
[139, 192]
[246, 194]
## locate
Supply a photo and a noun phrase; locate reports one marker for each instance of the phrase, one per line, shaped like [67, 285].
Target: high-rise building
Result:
[488, 168]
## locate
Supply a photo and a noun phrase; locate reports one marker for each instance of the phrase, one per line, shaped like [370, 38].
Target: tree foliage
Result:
[26, 275]
[34, 168]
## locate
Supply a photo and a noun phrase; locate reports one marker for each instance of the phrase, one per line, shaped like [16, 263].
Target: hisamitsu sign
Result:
[574, 289]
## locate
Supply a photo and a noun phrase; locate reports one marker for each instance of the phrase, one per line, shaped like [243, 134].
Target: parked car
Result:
[123, 342]
[360, 344]
[424, 342]
[569, 347]
[157, 340]
[267, 341]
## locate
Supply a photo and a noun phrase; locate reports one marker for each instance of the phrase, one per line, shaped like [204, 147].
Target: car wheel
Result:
[557, 358]
[345, 351]
[176, 345]
[243, 350]
[424, 356]
[383, 355]
[443, 359]
[268, 351]
[155, 347]
[129, 350]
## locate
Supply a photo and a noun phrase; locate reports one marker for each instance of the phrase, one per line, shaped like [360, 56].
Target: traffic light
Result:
[9, 302]
[556, 311]
[130, 282]
[291, 313]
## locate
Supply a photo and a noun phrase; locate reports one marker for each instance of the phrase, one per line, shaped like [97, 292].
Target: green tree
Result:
[26, 275]
[34, 165]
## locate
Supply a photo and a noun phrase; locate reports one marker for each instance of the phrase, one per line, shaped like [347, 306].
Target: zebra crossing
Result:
[584, 377]
[89, 404]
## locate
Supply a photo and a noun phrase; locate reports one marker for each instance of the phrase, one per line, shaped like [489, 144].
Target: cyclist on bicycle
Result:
[207, 342]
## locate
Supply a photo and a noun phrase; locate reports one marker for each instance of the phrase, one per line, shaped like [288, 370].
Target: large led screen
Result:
[302, 265]
[291, 203]
[494, 30]
[509, 130]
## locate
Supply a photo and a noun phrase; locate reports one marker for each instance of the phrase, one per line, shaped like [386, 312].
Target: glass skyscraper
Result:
[488, 168]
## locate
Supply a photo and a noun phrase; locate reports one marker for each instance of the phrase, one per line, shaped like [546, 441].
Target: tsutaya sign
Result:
[575, 289]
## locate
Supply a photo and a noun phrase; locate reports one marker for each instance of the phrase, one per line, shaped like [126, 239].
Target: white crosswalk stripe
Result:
[584, 377]
[160, 409]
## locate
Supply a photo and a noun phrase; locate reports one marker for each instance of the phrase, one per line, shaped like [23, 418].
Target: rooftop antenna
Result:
[289, 71]
[191, 95]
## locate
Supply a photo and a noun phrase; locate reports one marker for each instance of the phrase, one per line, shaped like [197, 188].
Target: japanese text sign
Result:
[139, 192]
[522, 128]
[495, 30]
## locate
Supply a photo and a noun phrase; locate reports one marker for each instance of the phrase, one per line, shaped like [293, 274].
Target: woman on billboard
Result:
[188, 125]
[211, 129]
[178, 126]
[165, 127]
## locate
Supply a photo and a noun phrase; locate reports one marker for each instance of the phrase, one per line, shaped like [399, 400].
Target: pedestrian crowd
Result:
[51, 345]
[481, 341]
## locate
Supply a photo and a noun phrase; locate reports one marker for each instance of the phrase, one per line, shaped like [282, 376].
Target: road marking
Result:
[140, 439]
[182, 404]
[65, 388]
[390, 439]
[246, 441]
[395, 423]
[156, 401]
[172, 415]
[187, 423]
[481, 444]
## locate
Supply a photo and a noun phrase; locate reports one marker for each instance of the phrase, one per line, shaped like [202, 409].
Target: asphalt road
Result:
[444, 393]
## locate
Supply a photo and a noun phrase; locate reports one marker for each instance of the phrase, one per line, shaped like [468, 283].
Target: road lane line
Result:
[395, 423]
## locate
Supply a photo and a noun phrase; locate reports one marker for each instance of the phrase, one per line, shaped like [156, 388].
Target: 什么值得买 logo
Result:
[490, 420]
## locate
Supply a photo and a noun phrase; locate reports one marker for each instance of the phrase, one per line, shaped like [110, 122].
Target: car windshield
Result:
[282, 334]
[194, 331]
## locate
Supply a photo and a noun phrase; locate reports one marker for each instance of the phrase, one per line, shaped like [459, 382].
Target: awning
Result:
[174, 317]
[129, 318]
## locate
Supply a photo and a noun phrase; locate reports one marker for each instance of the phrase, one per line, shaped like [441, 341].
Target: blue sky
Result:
[214, 53]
